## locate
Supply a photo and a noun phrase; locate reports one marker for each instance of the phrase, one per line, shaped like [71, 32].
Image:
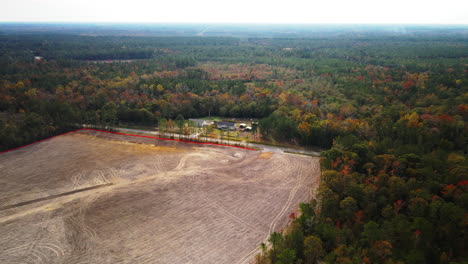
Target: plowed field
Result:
[92, 197]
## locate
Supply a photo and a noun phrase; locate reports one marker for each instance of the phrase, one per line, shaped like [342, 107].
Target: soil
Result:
[91, 197]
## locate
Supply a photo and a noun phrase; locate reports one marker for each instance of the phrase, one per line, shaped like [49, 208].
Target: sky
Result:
[238, 11]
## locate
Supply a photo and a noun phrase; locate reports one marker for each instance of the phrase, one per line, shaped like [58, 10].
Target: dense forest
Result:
[391, 110]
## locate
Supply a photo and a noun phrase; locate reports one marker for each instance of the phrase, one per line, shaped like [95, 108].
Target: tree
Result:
[180, 123]
[170, 125]
[313, 249]
[109, 113]
[159, 88]
[295, 240]
[349, 206]
[275, 240]
[306, 217]
[162, 124]
[417, 207]
[287, 256]
[381, 250]
[371, 232]
[278, 126]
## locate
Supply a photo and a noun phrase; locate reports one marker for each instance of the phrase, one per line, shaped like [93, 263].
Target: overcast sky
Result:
[238, 11]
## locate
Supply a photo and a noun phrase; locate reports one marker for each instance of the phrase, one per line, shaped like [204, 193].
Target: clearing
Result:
[93, 197]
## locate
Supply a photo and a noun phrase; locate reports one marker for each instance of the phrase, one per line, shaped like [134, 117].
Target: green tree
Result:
[313, 249]
[371, 232]
[109, 114]
[287, 256]
[180, 122]
[162, 124]
[348, 206]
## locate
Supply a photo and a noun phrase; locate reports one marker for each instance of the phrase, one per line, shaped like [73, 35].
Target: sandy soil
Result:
[90, 197]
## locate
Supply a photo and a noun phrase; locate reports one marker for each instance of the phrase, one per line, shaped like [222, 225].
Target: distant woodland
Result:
[390, 111]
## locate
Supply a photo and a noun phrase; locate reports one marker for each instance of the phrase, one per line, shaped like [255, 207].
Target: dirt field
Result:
[91, 197]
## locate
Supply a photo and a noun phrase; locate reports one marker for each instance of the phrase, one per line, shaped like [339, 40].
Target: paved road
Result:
[228, 142]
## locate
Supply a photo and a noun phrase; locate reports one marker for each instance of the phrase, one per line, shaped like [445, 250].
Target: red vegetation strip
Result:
[132, 135]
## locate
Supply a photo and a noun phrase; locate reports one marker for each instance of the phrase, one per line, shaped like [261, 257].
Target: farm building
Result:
[226, 125]
[200, 122]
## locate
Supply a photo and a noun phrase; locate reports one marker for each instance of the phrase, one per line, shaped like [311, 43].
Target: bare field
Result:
[91, 197]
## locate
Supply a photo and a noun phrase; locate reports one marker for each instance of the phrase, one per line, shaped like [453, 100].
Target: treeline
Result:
[314, 99]
[389, 199]
[46, 119]
[394, 182]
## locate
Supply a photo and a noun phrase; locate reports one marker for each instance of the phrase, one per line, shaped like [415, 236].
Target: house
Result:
[200, 122]
[226, 126]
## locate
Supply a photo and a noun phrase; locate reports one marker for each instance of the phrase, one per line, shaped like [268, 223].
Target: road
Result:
[261, 147]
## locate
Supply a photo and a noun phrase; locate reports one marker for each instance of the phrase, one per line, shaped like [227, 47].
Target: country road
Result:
[262, 147]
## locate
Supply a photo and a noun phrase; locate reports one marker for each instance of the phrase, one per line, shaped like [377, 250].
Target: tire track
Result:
[181, 163]
[57, 250]
[54, 196]
[76, 179]
[292, 193]
[230, 215]
[31, 248]
[184, 222]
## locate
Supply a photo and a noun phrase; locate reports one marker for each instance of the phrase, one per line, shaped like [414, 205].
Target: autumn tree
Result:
[313, 249]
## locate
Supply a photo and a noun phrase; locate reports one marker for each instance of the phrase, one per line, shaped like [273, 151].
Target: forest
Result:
[389, 110]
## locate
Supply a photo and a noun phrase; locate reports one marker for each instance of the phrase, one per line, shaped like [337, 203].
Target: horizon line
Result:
[238, 23]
